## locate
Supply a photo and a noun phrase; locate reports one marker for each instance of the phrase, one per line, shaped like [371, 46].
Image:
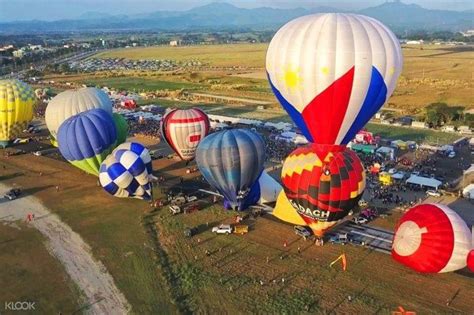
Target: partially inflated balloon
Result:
[122, 128]
[183, 129]
[87, 138]
[73, 102]
[231, 161]
[323, 186]
[126, 173]
[332, 73]
[16, 109]
[432, 238]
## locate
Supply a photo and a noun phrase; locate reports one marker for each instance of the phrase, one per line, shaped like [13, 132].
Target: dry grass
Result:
[22, 278]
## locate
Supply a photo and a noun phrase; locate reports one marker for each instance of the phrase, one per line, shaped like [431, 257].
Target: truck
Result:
[241, 229]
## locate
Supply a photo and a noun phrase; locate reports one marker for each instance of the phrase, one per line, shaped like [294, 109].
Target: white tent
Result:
[424, 181]
[468, 191]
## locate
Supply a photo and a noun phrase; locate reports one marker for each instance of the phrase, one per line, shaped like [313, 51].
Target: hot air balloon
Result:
[87, 138]
[122, 128]
[332, 72]
[183, 129]
[323, 187]
[72, 102]
[432, 238]
[126, 173]
[16, 109]
[231, 161]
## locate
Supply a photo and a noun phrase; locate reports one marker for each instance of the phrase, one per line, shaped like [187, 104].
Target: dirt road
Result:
[89, 274]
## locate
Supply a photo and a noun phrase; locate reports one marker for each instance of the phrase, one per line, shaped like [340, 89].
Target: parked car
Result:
[369, 213]
[190, 232]
[340, 238]
[37, 153]
[356, 240]
[303, 231]
[12, 194]
[451, 154]
[174, 209]
[360, 220]
[433, 193]
[222, 229]
[392, 171]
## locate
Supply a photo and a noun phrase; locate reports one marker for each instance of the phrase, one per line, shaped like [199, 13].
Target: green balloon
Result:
[122, 128]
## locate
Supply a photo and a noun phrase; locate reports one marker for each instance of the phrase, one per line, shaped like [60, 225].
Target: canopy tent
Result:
[364, 148]
[387, 151]
[398, 176]
[424, 181]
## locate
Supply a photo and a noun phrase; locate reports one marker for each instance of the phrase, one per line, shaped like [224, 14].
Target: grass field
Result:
[413, 134]
[161, 271]
[430, 73]
[22, 278]
[114, 228]
[245, 55]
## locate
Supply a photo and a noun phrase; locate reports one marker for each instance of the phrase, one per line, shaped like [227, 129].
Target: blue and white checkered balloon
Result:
[127, 171]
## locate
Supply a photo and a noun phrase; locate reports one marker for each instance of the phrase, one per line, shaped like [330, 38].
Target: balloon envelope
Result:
[231, 161]
[432, 238]
[126, 173]
[122, 128]
[87, 138]
[73, 102]
[16, 109]
[323, 187]
[183, 129]
[332, 72]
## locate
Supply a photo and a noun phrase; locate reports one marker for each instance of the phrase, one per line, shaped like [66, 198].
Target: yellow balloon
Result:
[17, 100]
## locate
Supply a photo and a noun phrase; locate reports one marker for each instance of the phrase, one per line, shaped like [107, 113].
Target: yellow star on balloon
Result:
[292, 78]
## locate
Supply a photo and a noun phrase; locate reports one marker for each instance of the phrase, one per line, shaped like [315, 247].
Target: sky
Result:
[48, 10]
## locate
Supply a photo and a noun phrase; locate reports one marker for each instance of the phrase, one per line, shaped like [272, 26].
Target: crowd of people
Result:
[146, 128]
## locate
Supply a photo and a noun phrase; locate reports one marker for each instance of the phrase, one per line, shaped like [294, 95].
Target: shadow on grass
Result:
[11, 176]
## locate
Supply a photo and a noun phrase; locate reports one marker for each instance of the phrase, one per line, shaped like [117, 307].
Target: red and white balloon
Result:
[432, 238]
[183, 129]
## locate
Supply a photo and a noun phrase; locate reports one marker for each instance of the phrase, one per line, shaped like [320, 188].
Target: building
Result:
[174, 43]
[415, 42]
[20, 53]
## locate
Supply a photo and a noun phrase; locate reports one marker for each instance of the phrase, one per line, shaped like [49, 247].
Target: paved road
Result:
[373, 237]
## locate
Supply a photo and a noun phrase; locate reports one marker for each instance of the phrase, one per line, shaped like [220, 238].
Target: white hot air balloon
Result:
[73, 102]
[332, 72]
[432, 238]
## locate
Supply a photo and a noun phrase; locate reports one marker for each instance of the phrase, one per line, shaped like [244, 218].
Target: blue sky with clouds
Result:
[65, 9]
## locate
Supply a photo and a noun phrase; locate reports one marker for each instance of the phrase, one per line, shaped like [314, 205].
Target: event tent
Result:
[424, 181]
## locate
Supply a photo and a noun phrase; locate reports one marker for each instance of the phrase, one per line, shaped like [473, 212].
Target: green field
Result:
[430, 73]
[114, 228]
[413, 134]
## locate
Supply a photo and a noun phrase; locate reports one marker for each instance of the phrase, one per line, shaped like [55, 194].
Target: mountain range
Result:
[217, 16]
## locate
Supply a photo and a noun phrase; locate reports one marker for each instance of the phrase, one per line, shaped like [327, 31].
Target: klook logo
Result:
[20, 306]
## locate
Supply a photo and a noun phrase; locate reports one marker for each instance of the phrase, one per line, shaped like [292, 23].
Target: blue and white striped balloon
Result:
[127, 171]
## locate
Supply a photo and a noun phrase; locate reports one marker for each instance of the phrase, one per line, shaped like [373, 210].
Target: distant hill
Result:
[215, 16]
[401, 16]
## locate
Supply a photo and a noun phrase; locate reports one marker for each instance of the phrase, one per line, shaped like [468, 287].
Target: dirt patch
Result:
[90, 275]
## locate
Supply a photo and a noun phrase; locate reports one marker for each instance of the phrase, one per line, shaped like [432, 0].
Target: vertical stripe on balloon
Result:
[375, 98]
[325, 113]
